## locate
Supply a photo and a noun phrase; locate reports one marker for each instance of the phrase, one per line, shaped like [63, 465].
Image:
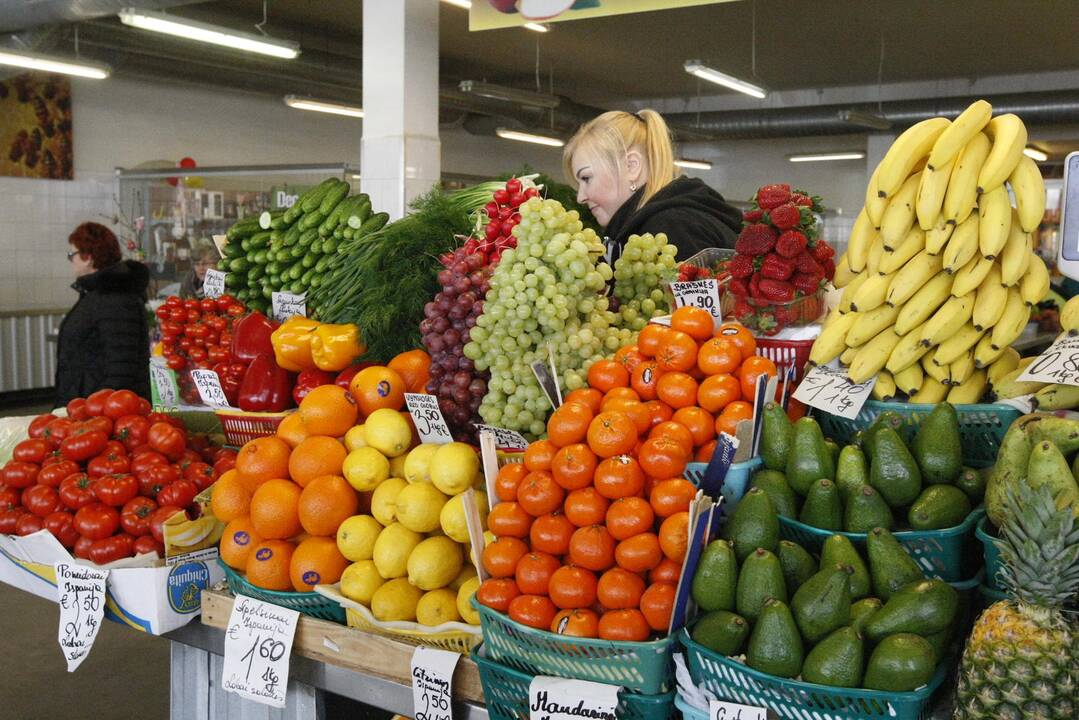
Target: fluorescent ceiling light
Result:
[693, 164]
[213, 34]
[536, 27]
[865, 119]
[508, 134]
[695, 67]
[466, 4]
[50, 63]
[1035, 154]
[305, 103]
[822, 157]
[508, 94]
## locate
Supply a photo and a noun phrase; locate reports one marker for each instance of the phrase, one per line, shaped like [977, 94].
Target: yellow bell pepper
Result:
[335, 347]
[292, 343]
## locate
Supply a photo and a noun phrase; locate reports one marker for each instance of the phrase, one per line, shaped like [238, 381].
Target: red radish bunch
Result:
[501, 217]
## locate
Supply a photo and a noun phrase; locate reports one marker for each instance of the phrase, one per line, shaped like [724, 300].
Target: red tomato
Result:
[190, 456]
[19, 474]
[98, 422]
[155, 477]
[112, 549]
[200, 474]
[77, 490]
[116, 490]
[37, 425]
[223, 464]
[83, 446]
[9, 518]
[9, 497]
[95, 403]
[57, 429]
[114, 447]
[135, 516]
[156, 417]
[145, 458]
[167, 439]
[131, 430]
[53, 457]
[62, 526]
[54, 474]
[224, 302]
[82, 548]
[41, 500]
[144, 407]
[175, 362]
[76, 409]
[120, 403]
[97, 521]
[208, 305]
[28, 523]
[157, 520]
[147, 544]
[173, 301]
[180, 493]
[108, 464]
[162, 312]
[31, 450]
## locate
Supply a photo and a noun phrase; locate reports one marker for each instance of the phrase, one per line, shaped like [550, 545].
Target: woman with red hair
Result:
[104, 340]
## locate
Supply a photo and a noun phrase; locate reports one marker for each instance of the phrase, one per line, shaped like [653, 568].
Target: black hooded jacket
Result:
[691, 214]
[104, 340]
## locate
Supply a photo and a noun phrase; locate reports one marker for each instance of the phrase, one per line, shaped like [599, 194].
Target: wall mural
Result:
[35, 126]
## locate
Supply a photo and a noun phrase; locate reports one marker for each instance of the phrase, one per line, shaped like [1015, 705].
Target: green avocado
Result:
[924, 607]
[937, 447]
[892, 469]
[838, 550]
[890, 565]
[721, 631]
[861, 611]
[754, 524]
[760, 578]
[836, 660]
[822, 604]
[900, 663]
[823, 508]
[776, 436]
[775, 484]
[775, 647]
[809, 459]
[798, 565]
[716, 578]
[851, 472]
[866, 510]
[938, 507]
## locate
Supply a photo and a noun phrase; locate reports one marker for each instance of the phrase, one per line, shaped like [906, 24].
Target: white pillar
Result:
[876, 145]
[401, 153]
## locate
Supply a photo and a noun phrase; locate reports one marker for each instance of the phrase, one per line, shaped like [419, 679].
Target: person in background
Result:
[104, 340]
[204, 256]
[623, 167]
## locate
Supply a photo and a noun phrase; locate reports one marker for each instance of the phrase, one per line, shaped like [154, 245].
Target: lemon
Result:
[354, 439]
[396, 600]
[397, 466]
[464, 601]
[418, 507]
[392, 548]
[437, 607]
[434, 563]
[383, 500]
[417, 463]
[453, 467]
[356, 537]
[388, 432]
[365, 468]
[452, 517]
[360, 580]
[468, 571]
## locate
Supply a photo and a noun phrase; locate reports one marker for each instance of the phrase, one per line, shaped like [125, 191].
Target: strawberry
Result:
[777, 267]
[752, 216]
[768, 323]
[741, 266]
[785, 216]
[776, 290]
[791, 244]
[801, 199]
[770, 196]
[756, 239]
[806, 264]
[739, 286]
[829, 268]
[785, 315]
[806, 283]
[743, 310]
[821, 251]
[755, 286]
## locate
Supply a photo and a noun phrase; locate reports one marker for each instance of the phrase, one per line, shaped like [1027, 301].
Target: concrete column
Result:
[876, 145]
[401, 151]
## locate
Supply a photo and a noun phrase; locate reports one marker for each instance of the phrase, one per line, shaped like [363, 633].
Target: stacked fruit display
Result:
[939, 271]
[640, 273]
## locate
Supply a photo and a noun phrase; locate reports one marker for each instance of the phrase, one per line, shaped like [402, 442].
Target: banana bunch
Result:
[940, 274]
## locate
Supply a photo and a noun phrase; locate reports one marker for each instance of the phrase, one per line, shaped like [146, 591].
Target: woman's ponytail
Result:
[658, 152]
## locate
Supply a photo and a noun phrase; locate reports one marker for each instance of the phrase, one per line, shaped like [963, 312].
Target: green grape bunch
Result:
[646, 265]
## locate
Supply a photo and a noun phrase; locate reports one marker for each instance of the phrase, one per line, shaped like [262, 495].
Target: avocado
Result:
[833, 448]
[1047, 467]
[972, 482]
[776, 436]
[900, 663]
[775, 647]
[809, 459]
[838, 550]
[851, 472]
[940, 643]
[721, 631]
[754, 524]
[760, 578]
[861, 611]
[938, 448]
[892, 469]
[890, 565]
[798, 565]
[887, 419]
[836, 660]
[823, 508]
[923, 608]
[938, 507]
[822, 604]
[775, 484]
[866, 510]
[716, 578]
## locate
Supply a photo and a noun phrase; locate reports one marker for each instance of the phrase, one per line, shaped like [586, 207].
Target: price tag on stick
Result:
[1059, 364]
[723, 710]
[286, 305]
[164, 380]
[504, 439]
[430, 424]
[80, 590]
[698, 293]
[551, 698]
[432, 680]
[213, 285]
[209, 387]
[258, 642]
[830, 390]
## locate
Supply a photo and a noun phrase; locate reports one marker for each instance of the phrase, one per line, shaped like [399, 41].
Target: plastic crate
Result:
[981, 426]
[734, 485]
[505, 692]
[307, 603]
[688, 711]
[785, 354]
[939, 553]
[241, 427]
[639, 667]
[990, 552]
[734, 681]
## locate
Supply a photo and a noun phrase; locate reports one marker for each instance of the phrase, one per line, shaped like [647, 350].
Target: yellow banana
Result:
[972, 274]
[1024, 361]
[1009, 385]
[910, 379]
[962, 192]
[884, 387]
[874, 203]
[861, 236]
[876, 250]
[962, 368]
[908, 351]
[932, 392]
[986, 356]
[1029, 189]
[932, 187]
[969, 123]
[947, 320]
[995, 220]
[871, 294]
[989, 305]
[1034, 287]
[848, 356]
[937, 236]
[1004, 364]
[1015, 257]
[970, 390]
[872, 356]
[1012, 321]
[843, 273]
[963, 244]
[910, 147]
[1056, 397]
[940, 373]
[830, 343]
[915, 274]
[1009, 136]
[870, 324]
[899, 215]
[911, 245]
[850, 290]
[1069, 315]
[923, 303]
[957, 345]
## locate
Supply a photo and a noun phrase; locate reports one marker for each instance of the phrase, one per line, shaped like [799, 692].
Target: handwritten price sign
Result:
[258, 643]
[285, 305]
[1059, 364]
[432, 679]
[504, 439]
[164, 380]
[213, 285]
[209, 387]
[698, 293]
[828, 389]
[721, 710]
[551, 698]
[81, 593]
[430, 424]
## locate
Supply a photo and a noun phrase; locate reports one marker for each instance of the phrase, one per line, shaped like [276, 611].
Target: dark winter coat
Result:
[104, 340]
[691, 214]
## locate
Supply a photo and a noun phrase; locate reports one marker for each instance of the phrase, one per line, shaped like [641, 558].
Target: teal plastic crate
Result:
[939, 553]
[734, 681]
[640, 667]
[981, 426]
[505, 691]
[306, 603]
[990, 552]
[734, 485]
[688, 711]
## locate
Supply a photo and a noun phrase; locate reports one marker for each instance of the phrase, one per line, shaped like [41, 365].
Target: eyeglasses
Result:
[71, 255]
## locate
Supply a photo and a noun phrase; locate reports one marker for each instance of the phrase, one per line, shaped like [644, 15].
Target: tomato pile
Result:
[591, 530]
[104, 479]
[198, 334]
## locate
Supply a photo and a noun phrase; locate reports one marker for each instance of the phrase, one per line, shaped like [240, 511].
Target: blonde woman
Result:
[623, 167]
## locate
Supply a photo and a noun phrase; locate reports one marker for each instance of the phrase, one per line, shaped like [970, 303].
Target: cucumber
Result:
[260, 240]
[309, 260]
[322, 264]
[374, 223]
[245, 244]
[305, 279]
[246, 226]
[297, 288]
[240, 264]
[267, 292]
[329, 247]
[256, 272]
[258, 257]
[335, 218]
[311, 220]
[333, 196]
[364, 210]
[295, 271]
[273, 267]
[233, 250]
[292, 235]
[242, 295]
[278, 223]
[232, 279]
[316, 281]
[339, 233]
[312, 199]
[267, 217]
[348, 233]
[308, 237]
[296, 252]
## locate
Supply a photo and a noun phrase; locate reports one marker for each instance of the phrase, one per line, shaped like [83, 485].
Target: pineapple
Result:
[1022, 659]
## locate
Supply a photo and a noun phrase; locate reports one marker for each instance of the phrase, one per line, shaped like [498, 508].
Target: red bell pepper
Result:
[231, 376]
[344, 378]
[310, 379]
[267, 387]
[251, 336]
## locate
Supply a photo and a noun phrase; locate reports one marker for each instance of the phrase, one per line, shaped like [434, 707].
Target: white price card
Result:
[80, 591]
[698, 293]
[164, 380]
[209, 387]
[258, 642]
[213, 285]
[551, 698]
[430, 424]
[1059, 364]
[723, 710]
[432, 681]
[504, 439]
[830, 390]
[286, 305]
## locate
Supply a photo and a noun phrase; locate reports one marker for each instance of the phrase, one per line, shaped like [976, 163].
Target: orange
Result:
[638, 412]
[268, 565]
[677, 389]
[639, 553]
[262, 459]
[534, 571]
[316, 456]
[605, 375]
[672, 496]
[706, 451]
[618, 477]
[508, 479]
[662, 458]
[378, 387]
[292, 429]
[630, 357]
[719, 355]
[644, 379]
[733, 414]
[676, 431]
[578, 622]
[230, 499]
[328, 410]
[589, 396]
[569, 423]
[657, 604]
[572, 587]
[592, 548]
[325, 503]
[316, 561]
[650, 338]
[618, 396]
[611, 433]
[740, 336]
[551, 533]
[539, 455]
[674, 536]
[497, 593]
[667, 571]
[693, 321]
[573, 466]
[509, 519]
[582, 507]
[536, 611]
[659, 411]
[718, 391]
[414, 367]
[752, 368]
[628, 624]
[619, 589]
[678, 351]
[698, 422]
[538, 494]
[275, 509]
[629, 516]
[500, 558]
[237, 540]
